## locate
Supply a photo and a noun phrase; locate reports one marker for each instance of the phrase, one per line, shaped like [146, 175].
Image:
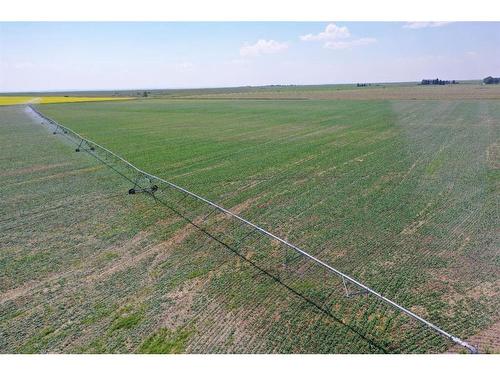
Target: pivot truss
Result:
[143, 184]
[84, 145]
[352, 293]
[148, 183]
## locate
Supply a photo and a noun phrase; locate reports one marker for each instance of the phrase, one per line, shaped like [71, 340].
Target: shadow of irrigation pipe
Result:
[275, 278]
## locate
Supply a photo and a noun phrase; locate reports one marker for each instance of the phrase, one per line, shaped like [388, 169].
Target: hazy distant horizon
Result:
[121, 56]
[230, 87]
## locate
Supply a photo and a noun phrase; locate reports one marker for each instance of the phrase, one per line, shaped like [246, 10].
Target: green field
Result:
[401, 194]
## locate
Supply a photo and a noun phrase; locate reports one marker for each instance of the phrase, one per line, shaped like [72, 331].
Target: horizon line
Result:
[216, 87]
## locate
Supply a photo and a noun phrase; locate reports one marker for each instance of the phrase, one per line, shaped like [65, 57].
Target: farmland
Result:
[16, 100]
[464, 91]
[401, 194]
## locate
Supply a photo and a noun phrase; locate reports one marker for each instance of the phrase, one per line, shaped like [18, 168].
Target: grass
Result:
[16, 100]
[165, 342]
[126, 322]
[400, 194]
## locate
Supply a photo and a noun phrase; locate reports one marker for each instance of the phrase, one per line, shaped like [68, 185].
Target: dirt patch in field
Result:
[124, 262]
[419, 310]
[180, 302]
[128, 260]
[74, 172]
[164, 249]
[30, 286]
[487, 341]
[413, 227]
[486, 289]
[240, 207]
[31, 169]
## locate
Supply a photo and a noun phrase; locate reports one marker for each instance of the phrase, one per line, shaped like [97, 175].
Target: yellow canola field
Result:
[13, 100]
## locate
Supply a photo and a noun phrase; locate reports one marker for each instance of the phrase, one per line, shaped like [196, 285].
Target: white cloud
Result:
[423, 25]
[262, 47]
[337, 37]
[343, 44]
[332, 32]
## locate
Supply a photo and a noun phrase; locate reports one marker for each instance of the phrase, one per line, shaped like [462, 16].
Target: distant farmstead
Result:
[437, 81]
[491, 80]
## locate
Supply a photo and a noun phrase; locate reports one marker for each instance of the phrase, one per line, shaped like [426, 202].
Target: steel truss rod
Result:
[300, 251]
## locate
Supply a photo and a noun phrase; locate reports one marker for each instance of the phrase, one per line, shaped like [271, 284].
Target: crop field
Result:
[400, 194]
[463, 91]
[16, 100]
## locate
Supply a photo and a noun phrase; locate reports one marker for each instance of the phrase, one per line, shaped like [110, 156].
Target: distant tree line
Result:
[437, 81]
[144, 94]
[491, 80]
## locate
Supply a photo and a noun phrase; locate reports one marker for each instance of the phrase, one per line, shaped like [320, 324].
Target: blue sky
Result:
[89, 56]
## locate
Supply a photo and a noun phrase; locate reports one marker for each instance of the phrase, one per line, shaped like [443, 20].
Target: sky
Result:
[47, 56]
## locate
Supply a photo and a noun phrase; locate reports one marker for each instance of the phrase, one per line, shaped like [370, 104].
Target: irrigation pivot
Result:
[153, 184]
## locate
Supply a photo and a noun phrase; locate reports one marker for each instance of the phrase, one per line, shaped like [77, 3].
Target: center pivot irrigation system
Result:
[145, 182]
